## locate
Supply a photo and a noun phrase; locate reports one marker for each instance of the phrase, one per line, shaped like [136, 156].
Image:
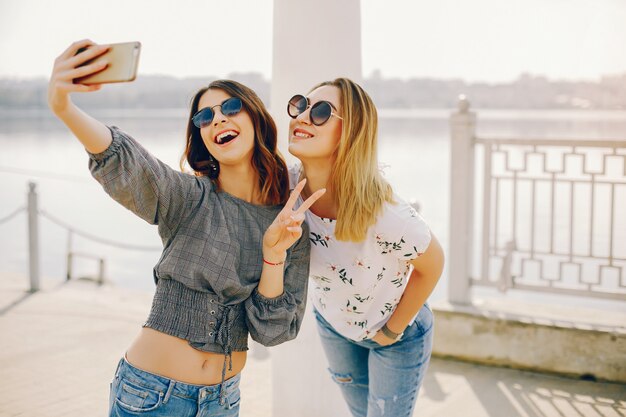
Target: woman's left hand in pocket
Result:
[383, 340]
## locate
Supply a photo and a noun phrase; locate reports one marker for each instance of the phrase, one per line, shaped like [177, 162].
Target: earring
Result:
[214, 168]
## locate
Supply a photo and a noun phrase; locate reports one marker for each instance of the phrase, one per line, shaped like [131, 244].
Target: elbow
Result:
[442, 261]
[272, 341]
[438, 257]
[275, 337]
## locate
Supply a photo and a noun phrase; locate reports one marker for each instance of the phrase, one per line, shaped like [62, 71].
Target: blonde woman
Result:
[374, 261]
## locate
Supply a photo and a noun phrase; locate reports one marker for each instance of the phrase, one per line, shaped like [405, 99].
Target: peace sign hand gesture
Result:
[286, 228]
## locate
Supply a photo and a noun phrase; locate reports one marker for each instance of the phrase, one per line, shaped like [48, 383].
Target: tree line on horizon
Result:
[526, 92]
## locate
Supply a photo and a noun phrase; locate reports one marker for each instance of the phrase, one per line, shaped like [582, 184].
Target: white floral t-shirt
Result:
[357, 286]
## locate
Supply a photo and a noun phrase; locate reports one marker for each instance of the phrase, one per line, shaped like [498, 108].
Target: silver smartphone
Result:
[123, 60]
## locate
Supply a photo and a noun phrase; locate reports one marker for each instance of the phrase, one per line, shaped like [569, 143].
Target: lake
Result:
[413, 149]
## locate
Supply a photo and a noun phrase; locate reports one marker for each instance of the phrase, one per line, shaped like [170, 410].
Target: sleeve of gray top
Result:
[272, 321]
[141, 183]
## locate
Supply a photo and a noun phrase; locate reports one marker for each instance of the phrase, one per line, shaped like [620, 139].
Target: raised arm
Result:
[127, 171]
[94, 135]
[280, 236]
[275, 309]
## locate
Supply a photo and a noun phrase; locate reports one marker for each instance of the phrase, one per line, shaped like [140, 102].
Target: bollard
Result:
[101, 271]
[33, 237]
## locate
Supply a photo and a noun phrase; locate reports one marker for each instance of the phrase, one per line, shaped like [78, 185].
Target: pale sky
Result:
[476, 40]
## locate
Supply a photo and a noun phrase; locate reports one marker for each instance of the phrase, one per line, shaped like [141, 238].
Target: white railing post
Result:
[462, 133]
[33, 237]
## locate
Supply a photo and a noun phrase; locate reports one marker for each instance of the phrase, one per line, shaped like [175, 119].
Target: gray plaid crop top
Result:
[212, 258]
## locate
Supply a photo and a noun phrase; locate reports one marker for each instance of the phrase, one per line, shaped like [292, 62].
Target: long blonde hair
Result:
[356, 182]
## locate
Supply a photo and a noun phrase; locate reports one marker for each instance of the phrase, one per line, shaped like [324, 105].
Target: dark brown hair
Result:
[266, 158]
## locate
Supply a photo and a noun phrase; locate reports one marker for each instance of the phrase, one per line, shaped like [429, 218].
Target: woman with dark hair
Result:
[234, 260]
[374, 261]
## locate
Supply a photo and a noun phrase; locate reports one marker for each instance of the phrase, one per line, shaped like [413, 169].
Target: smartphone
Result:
[123, 60]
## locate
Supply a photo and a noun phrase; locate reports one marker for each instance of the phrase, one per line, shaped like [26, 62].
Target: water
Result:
[414, 147]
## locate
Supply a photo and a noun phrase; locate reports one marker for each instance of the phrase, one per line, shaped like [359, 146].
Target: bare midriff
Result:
[174, 358]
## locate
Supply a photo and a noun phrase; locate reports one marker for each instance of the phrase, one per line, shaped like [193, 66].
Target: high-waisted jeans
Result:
[380, 380]
[138, 392]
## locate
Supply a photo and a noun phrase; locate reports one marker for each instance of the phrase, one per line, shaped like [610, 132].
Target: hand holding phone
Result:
[122, 60]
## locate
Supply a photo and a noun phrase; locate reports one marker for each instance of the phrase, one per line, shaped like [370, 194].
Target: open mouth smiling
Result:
[226, 136]
[302, 134]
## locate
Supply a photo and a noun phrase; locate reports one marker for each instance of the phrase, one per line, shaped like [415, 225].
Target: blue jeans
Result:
[380, 380]
[137, 392]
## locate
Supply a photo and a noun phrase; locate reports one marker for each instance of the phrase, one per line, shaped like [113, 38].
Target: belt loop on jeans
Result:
[170, 388]
[119, 365]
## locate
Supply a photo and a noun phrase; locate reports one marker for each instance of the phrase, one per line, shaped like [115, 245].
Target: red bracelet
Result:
[273, 264]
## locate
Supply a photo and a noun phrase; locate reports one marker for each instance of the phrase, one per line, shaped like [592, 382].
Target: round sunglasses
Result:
[230, 107]
[320, 111]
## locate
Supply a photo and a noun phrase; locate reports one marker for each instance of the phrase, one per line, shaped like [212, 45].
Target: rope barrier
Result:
[96, 238]
[43, 174]
[13, 214]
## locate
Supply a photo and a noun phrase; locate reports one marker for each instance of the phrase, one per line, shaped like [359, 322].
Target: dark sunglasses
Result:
[230, 107]
[320, 111]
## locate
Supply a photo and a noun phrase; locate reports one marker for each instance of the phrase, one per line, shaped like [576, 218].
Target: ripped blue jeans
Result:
[377, 380]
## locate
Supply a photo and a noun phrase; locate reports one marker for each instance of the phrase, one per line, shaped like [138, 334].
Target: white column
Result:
[313, 42]
[462, 133]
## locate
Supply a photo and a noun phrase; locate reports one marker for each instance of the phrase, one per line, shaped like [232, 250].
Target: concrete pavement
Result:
[59, 348]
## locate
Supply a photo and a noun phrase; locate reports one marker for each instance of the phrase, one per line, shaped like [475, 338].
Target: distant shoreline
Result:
[526, 92]
[390, 113]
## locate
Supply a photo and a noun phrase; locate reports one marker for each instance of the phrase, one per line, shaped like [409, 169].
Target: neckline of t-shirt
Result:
[247, 203]
[325, 220]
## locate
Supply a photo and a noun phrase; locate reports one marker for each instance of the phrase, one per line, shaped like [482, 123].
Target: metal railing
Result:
[550, 214]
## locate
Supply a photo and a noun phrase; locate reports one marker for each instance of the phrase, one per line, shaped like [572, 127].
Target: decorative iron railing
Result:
[551, 214]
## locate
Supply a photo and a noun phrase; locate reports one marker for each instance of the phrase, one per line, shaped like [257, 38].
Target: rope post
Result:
[69, 256]
[68, 275]
[33, 237]
[101, 271]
